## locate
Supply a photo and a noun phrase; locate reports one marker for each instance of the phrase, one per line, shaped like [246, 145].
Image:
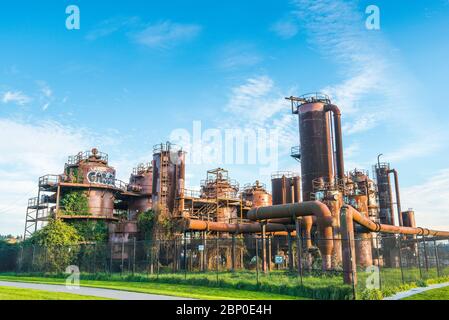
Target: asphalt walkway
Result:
[88, 291]
[405, 294]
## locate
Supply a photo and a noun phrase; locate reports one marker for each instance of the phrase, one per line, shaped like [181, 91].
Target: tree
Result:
[57, 243]
[145, 222]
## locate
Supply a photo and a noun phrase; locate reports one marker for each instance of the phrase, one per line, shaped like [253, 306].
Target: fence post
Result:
[134, 256]
[437, 259]
[400, 258]
[378, 261]
[298, 248]
[185, 256]
[95, 258]
[217, 248]
[257, 260]
[32, 258]
[419, 257]
[122, 256]
[290, 253]
[157, 258]
[426, 260]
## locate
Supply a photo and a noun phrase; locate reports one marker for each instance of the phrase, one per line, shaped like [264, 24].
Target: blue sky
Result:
[137, 70]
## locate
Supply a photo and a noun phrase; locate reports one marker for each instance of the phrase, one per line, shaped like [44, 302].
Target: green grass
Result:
[9, 293]
[180, 290]
[434, 294]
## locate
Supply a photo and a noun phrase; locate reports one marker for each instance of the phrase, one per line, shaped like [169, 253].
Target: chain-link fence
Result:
[278, 262]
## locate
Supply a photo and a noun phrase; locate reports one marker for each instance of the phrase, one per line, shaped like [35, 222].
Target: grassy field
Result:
[9, 293]
[245, 284]
[435, 294]
[180, 290]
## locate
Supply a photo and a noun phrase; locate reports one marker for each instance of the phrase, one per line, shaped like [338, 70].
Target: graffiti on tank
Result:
[101, 177]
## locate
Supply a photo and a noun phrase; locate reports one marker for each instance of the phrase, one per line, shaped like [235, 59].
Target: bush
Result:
[91, 231]
[75, 203]
[371, 294]
[57, 244]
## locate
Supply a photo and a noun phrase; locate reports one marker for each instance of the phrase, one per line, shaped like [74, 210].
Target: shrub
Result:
[371, 294]
[75, 203]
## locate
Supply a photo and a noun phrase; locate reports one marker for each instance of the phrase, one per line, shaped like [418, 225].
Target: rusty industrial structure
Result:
[323, 209]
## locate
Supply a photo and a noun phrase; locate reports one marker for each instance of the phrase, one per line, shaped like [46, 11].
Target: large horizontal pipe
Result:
[292, 211]
[348, 215]
[324, 221]
[200, 225]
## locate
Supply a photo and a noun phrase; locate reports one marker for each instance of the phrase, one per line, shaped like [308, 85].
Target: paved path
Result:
[405, 294]
[88, 291]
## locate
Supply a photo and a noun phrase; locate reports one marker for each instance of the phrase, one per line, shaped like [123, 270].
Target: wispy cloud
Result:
[430, 200]
[166, 34]
[17, 97]
[45, 94]
[285, 29]
[112, 25]
[336, 29]
[237, 55]
[259, 103]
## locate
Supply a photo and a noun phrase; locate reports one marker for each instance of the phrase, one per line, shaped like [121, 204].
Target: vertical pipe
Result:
[338, 140]
[398, 196]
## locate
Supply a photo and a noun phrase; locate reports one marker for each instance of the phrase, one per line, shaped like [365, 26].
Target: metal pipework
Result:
[348, 215]
[324, 221]
[200, 225]
[398, 196]
[338, 139]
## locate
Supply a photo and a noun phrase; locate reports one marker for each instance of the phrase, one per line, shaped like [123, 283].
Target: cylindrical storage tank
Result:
[316, 151]
[285, 188]
[94, 171]
[257, 195]
[408, 217]
[386, 213]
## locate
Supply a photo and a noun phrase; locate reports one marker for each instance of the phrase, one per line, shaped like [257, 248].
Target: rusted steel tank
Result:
[218, 185]
[91, 170]
[168, 177]
[409, 218]
[141, 182]
[257, 195]
[386, 213]
[285, 187]
[316, 150]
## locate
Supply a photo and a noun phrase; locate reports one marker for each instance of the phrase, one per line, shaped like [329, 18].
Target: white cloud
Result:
[110, 26]
[166, 34]
[237, 55]
[430, 200]
[361, 123]
[17, 97]
[285, 29]
[336, 28]
[31, 151]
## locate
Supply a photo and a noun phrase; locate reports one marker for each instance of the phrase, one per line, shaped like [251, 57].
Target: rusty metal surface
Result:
[316, 154]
